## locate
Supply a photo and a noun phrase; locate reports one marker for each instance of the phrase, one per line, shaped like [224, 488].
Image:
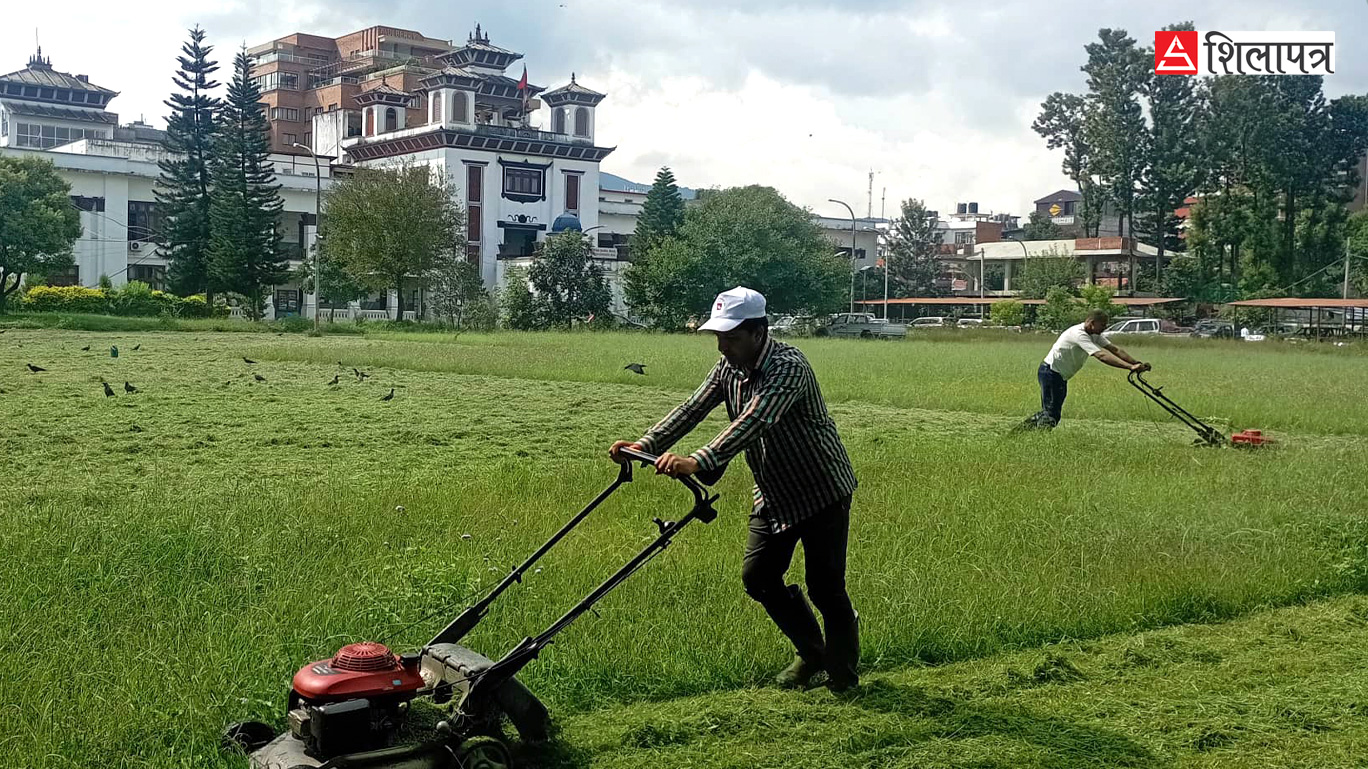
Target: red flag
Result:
[522, 84]
[523, 91]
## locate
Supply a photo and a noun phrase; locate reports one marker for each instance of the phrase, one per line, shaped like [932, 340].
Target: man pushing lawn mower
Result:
[803, 482]
[1071, 350]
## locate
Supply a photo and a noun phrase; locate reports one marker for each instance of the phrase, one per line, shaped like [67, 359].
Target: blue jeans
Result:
[1053, 390]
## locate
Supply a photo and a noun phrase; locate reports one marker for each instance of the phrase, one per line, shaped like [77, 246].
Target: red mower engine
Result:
[354, 701]
[1250, 439]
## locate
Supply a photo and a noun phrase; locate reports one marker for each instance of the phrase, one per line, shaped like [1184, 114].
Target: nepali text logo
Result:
[1244, 53]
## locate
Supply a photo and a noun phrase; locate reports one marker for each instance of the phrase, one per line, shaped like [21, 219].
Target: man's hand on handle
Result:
[616, 451]
[676, 466]
[1140, 366]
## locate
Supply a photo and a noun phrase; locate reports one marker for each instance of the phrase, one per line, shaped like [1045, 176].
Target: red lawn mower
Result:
[345, 711]
[1206, 434]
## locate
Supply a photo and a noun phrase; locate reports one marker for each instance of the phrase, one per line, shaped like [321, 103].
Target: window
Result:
[308, 138]
[572, 193]
[277, 80]
[523, 183]
[1069, 207]
[558, 121]
[88, 204]
[332, 107]
[437, 116]
[46, 136]
[284, 113]
[68, 277]
[144, 220]
[460, 109]
[4, 123]
[370, 122]
[582, 121]
[290, 140]
[474, 210]
[152, 275]
[391, 119]
[964, 238]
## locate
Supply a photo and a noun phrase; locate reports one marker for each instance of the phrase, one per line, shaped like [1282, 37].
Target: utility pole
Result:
[883, 204]
[852, 249]
[869, 210]
[1346, 268]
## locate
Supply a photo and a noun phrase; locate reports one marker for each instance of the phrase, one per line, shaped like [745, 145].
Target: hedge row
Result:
[134, 299]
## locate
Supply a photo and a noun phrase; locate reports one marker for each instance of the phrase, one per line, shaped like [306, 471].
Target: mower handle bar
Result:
[1207, 434]
[471, 616]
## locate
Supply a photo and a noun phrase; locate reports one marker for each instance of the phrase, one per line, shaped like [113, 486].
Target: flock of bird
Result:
[131, 389]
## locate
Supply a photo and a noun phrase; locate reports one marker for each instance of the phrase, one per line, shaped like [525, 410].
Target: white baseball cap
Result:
[732, 307]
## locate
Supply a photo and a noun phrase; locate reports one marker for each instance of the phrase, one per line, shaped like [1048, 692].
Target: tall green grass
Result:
[175, 555]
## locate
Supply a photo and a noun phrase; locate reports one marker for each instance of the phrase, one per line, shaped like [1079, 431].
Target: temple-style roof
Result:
[39, 72]
[384, 94]
[574, 93]
[55, 112]
[478, 51]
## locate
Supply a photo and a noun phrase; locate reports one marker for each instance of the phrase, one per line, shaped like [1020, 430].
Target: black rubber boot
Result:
[843, 655]
[795, 619]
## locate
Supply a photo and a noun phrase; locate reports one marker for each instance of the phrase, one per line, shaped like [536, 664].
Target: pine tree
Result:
[1115, 124]
[1175, 162]
[661, 214]
[913, 251]
[1061, 123]
[244, 251]
[183, 191]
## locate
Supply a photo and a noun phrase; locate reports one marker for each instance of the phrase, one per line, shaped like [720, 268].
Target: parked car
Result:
[1146, 326]
[933, 321]
[792, 325]
[1214, 329]
[864, 325]
[969, 323]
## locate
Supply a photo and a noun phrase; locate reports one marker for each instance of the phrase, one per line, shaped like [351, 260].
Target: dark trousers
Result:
[768, 555]
[1053, 390]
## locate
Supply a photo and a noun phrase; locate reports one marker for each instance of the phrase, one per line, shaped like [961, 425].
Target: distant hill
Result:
[609, 181]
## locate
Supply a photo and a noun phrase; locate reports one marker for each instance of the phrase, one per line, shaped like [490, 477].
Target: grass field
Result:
[175, 554]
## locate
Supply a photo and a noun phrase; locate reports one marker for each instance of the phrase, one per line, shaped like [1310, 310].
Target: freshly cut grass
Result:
[177, 554]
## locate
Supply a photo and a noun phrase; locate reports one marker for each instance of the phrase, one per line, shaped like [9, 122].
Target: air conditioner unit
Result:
[134, 245]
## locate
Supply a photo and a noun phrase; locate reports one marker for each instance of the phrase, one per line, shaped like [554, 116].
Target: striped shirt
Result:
[780, 421]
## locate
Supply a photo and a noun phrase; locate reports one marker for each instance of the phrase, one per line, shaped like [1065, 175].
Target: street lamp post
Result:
[877, 235]
[852, 249]
[318, 228]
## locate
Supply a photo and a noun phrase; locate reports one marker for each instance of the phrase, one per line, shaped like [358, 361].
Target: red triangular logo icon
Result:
[1178, 50]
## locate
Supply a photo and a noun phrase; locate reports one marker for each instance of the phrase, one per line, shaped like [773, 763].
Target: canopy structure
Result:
[1324, 317]
[923, 302]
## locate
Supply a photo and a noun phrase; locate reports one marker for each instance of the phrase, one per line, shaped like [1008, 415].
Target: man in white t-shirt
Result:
[1070, 352]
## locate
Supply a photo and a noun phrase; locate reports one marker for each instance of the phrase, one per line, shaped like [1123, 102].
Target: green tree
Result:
[38, 224]
[456, 292]
[1040, 227]
[1174, 162]
[1062, 123]
[747, 236]
[244, 248]
[337, 286]
[1115, 122]
[517, 306]
[567, 284]
[389, 225]
[1097, 297]
[913, 252]
[1039, 274]
[184, 188]
[662, 213]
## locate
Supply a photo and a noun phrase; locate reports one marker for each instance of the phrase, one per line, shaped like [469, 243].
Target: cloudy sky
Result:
[808, 96]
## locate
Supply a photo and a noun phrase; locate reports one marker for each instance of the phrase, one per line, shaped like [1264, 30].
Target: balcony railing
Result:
[534, 134]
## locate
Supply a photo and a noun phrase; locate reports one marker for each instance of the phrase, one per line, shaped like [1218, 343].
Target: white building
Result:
[41, 108]
[513, 178]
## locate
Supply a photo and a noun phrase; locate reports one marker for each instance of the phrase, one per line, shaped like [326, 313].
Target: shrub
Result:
[1008, 313]
[1060, 310]
[66, 299]
[194, 306]
[138, 299]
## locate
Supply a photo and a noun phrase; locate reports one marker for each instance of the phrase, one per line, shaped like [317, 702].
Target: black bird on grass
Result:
[360, 375]
[128, 388]
[35, 369]
[335, 379]
[639, 368]
[136, 346]
[86, 348]
[259, 377]
[109, 391]
[135, 429]
[339, 364]
[389, 397]
[245, 359]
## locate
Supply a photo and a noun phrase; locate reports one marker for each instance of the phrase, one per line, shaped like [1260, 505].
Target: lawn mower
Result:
[1206, 434]
[346, 711]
